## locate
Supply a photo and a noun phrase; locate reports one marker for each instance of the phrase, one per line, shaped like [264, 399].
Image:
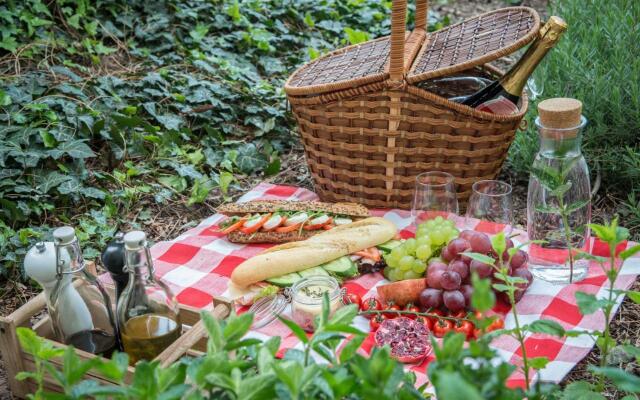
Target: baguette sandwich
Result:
[279, 221]
[281, 264]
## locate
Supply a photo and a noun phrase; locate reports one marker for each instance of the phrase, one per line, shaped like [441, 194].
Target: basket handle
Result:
[398, 29]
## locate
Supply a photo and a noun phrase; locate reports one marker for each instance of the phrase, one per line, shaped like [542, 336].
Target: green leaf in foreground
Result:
[295, 329]
[630, 252]
[634, 296]
[581, 390]
[483, 258]
[588, 303]
[482, 298]
[451, 386]
[625, 381]
[546, 326]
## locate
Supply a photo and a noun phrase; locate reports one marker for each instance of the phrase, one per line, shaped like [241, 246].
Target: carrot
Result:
[329, 226]
[371, 253]
[257, 226]
[375, 253]
[284, 229]
[363, 254]
[234, 226]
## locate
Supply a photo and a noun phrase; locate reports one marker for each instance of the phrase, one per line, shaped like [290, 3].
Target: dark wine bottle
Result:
[502, 96]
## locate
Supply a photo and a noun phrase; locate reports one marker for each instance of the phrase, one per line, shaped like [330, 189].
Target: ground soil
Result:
[168, 222]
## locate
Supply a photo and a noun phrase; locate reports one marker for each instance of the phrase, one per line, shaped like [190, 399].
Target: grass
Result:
[596, 62]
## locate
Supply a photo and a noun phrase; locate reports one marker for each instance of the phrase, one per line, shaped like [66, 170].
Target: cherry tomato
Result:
[392, 307]
[477, 333]
[464, 327]
[426, 322]
[435, 319]
[370, 304]
[412, 308]
[442, 327]
[353, 298]
[376, 321]
[498, 323]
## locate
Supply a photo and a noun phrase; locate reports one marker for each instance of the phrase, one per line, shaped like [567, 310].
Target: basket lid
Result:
[348, 67]
[472, 42]
[475, 41]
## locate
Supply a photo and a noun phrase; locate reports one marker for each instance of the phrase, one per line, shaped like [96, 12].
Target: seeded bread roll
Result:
[267, 206]
[271, 237]
[318, 249]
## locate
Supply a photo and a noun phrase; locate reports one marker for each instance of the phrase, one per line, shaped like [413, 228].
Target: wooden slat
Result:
[11, 356]
[188, 340]
[44, 328]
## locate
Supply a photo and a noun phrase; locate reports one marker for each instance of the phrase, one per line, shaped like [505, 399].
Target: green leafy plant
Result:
[113, 106]
[508, 285]
[613, 235]
[235, 367]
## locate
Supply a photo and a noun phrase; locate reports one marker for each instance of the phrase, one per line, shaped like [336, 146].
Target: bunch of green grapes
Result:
[439, 230]
[409, 259]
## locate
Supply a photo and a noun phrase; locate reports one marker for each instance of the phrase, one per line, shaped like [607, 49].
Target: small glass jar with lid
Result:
[306, 299]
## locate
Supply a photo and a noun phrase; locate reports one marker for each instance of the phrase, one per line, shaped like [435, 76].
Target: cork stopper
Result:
[559, 115]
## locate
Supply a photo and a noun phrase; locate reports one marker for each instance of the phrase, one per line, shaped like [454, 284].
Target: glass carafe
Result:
[81, 310]
[559, 197]
[147, 310]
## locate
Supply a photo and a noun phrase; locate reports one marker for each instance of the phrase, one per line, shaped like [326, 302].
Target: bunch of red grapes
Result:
[448, 278]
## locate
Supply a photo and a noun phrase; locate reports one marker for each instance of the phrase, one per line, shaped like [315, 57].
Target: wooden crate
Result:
[192, 342]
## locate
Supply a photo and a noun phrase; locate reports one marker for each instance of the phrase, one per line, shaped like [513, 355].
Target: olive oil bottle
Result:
[147, 310]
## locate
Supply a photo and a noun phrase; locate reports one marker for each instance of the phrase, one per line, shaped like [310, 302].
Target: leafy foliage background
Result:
[104, 103]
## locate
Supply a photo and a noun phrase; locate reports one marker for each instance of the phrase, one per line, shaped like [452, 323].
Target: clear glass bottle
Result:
[148, 313]
[82, 312]
[559, 194]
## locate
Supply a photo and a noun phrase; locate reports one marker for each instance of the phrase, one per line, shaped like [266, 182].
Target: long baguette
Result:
[319, 249]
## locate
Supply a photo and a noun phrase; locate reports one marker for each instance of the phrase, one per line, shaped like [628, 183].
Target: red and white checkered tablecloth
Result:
[198, 264]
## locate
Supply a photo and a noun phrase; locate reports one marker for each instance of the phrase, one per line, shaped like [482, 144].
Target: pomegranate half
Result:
[408, 339]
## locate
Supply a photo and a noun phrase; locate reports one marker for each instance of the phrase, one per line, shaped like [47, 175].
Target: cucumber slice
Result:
[285, 280]
[313, 271]
[388, 246]
[343, 267]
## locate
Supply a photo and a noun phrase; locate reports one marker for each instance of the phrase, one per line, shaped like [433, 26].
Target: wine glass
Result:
[435, 195]
[491, 201]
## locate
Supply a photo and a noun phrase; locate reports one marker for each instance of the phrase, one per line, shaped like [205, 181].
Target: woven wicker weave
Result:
[368, 130]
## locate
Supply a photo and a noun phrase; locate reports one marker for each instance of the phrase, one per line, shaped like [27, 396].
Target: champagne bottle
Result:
[502, 96]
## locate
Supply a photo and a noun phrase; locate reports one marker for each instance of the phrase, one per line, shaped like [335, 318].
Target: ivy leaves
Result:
[188, 92]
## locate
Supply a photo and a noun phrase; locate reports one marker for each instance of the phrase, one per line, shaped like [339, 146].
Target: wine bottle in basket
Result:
[502, 96]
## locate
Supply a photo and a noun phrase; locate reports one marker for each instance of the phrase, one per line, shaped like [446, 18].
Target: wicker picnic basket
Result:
[368, 128]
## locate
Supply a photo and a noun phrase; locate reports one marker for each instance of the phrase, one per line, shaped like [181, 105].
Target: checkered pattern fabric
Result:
[198, 264]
